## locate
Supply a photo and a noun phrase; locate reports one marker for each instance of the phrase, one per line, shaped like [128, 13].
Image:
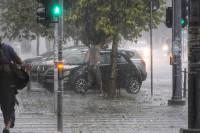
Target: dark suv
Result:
[137, 60]
[75, 72]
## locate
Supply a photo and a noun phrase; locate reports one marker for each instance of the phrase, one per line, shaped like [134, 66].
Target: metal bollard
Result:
[184, 83]
[29, 73]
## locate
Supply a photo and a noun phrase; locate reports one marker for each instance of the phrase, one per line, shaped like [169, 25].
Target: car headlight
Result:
[65, 73]
[165, 48]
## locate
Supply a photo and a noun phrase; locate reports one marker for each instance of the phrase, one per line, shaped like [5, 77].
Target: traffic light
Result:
[42, 12]
[169, 17]
[48, 12]
[184, 13]
[55, 11]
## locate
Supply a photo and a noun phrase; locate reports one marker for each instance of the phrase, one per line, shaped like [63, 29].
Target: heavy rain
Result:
[141, 98]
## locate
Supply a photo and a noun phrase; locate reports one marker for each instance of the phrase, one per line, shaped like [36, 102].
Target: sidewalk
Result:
[138, 113]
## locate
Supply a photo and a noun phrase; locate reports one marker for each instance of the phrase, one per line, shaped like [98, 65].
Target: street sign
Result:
[176, 48]
[155, 5]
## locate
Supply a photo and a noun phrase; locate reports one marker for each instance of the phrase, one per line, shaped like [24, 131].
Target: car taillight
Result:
[29, 66]
[143, 62]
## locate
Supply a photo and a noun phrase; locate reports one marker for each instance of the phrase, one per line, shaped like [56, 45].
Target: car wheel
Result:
[79, 84]
[133, 86]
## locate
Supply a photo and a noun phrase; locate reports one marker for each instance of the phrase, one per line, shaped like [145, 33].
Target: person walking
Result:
[94, 73]
[7, 92]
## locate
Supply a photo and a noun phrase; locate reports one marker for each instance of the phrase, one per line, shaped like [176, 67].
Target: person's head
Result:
[99, 37]
[99, 44]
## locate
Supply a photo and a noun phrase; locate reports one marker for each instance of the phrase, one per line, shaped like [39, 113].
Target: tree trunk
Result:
[113, 75]
[48, 44]
[76, 42]
[38, 44]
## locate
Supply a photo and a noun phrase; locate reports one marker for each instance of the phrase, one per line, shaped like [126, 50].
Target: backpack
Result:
[17, 73]
[2, 55]
[87, 56]
[21, 76]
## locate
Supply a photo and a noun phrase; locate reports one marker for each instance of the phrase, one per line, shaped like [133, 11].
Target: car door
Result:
[104, 60]
[123, 70]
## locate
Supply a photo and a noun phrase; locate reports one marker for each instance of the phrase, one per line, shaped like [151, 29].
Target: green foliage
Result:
[85, 21]
[128, 18]
[18, 20]
[87, 25]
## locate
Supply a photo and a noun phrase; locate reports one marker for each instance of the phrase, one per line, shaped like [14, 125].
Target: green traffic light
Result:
[56, 10]
[182, 21]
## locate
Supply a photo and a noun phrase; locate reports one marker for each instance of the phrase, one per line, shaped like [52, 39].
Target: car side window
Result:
[75, 59]
[131, 54]
[104, 58]
[121, 59]
[101, 59]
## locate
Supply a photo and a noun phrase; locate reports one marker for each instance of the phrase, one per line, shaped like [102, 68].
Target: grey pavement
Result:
[139, 113]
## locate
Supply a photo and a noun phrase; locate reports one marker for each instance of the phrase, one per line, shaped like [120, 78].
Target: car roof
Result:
[77, 46]
[123, 49]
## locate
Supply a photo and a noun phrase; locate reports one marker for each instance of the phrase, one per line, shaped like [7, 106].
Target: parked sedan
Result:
[28, 62]
[39, 66]
[75, 72]
[49, 55]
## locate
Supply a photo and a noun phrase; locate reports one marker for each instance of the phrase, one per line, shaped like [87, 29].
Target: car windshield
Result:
[75, 58]
[67, 52]
[47, 54]
[140, 44]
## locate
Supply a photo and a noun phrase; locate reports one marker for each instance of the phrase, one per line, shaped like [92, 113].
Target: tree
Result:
[18, 19]
[117, 19]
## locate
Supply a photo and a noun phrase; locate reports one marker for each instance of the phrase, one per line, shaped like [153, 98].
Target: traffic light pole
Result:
[55, 47]
[60, 79]
[193, 69]
[151, 45]
[176, 52]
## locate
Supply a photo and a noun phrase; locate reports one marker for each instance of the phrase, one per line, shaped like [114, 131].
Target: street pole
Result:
[154, 6]
[183, 45]
[176, 52]
[38, 44]
[55, 47]
[151, 45]
[60, 79]
[193, 69]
